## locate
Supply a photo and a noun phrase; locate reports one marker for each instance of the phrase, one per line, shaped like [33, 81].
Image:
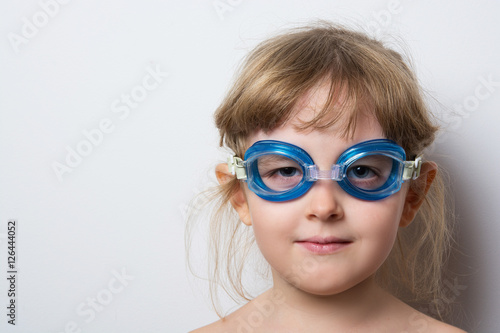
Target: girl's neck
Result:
[362, 303]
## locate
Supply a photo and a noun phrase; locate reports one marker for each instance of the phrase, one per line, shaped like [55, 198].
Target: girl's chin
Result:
[318, 287]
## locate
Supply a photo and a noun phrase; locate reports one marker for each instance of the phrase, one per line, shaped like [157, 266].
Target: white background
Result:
[121, 209]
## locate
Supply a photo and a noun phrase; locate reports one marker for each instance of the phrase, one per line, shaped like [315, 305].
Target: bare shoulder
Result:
[419, 322]
[410, 320]
[228, 324]
[441, 327]
[217, 326]
[242, 319]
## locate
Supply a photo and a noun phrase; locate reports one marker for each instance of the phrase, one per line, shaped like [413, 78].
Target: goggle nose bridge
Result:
[313, 173]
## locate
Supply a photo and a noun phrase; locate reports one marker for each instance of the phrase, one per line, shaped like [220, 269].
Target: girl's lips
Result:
[324, 245]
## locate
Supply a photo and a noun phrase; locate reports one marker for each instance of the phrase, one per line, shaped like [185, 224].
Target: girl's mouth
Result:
[324, 245]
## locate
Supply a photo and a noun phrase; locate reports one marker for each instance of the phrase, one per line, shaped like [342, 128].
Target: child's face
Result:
[360, 233]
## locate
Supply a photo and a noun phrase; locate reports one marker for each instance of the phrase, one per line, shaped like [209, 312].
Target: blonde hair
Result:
[274, 76]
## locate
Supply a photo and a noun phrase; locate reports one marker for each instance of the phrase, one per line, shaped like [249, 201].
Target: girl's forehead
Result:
[329, 103]
[316, 98]
[366, 128]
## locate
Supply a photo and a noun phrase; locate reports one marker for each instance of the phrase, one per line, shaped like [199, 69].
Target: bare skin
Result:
[364, 308]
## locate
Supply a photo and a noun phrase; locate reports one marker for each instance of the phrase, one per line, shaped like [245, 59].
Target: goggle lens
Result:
[372, 172]
[279, 173]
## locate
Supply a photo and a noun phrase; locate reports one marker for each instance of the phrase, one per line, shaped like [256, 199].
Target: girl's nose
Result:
[325, 201]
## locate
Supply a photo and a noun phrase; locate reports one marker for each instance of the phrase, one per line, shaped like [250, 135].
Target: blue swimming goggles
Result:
[279, 171]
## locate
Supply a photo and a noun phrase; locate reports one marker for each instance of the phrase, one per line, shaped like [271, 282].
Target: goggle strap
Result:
[412, 169]
[237, 167]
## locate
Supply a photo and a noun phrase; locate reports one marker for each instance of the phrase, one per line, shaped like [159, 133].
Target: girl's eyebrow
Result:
[377, 157]
[273, 159]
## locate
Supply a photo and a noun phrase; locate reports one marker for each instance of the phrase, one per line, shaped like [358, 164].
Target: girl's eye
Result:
[370, 172]
[282, 178]
[287, 172]
[364, 177]
[360, 171]
[282, 175]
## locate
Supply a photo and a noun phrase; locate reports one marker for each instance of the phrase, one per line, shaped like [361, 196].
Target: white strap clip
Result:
[412, 169]
[236, 167]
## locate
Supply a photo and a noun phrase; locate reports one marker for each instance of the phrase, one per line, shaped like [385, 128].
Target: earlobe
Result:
[417, 192]
[238, 199]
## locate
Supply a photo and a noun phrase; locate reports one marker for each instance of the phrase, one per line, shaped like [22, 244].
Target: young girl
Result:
[327, 129]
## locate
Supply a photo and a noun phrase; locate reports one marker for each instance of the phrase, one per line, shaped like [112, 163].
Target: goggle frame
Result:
[246, 170]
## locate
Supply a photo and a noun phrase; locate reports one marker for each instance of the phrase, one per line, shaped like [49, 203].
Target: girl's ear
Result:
[238, 200]
[416, 194]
